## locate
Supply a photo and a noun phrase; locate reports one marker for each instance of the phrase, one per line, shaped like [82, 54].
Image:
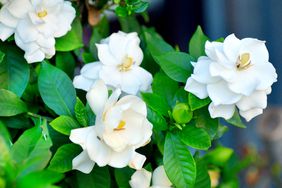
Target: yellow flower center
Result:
[42, 14]
[126, 64]
[244, 61]
[120, 126]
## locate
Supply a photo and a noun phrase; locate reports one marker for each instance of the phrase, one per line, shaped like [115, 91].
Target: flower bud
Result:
[181, 113]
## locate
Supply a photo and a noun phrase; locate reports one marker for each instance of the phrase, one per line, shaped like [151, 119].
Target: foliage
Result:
[39, 107]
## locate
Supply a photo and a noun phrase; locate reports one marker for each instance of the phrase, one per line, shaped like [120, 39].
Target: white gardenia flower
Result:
[142, 178]
[36, 24]
[121, 127]
[235, 73]
[119, 66]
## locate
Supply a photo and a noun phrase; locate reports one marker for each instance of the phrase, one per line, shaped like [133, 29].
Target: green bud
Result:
[181, 113]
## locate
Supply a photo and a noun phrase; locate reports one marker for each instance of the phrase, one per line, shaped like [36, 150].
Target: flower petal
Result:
[160, 178]
[6, 32]
[231, 47]
[135, 103]
[220, 94]
[97, 150]
[97, 97]
[141, 179]
[81, 82]
[79, 136]
[105, 55]
[91, 70]
[83, 163]
[121, 159]
[224, 111]
[137, 161]
[250, 114]
[198, 89]
[257, 99]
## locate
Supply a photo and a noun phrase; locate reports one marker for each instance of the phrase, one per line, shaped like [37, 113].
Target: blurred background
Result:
[176, 20]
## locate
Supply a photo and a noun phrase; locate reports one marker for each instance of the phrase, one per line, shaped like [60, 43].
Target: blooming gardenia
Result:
[121, 127]
[235, 73]
[36, 24]
[142, 178]
[119, 65]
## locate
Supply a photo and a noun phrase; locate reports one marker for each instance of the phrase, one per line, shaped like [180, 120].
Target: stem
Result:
[39, 116]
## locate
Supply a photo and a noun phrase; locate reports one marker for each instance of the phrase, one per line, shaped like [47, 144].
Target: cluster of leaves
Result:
[35, 149]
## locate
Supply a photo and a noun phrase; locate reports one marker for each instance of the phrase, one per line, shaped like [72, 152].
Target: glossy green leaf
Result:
[2, 55]
[62, 160]
[11, 104]
[66, 62]
[219, 156]
[157, 46]
[98, 178]
[80, 113]
[195, 137]
[203, 120]
[42, 179]
[56, 90]
[72, 40]
[197, 43]
[202, 178]
[236, 120]
[14, 71]
[179, 163]
[64, 124]
[123, 176]
[177, 65]
[158, 121]
[156, 103]
[161, 79]
[196, 103]
[32, 149]
[17, 122]
[4, 133]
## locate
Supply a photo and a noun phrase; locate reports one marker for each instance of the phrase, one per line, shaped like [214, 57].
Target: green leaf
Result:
[203, 178]
[80, 113]
[123, 176]
[4, 133]
[219, 156]
[56, 90]
[14, 71]
[178, 163]
[121, 11]
[129, 24]
[157, 46]
[17, 122]
[140, 6]
[196, 103]
[158, 121]
[177, 65]
[65, 61]
[236, 120]
[2, 55]
[197, 43]
[42, 179]
[203, 120]
[91, 116]
[98, 178]
[156, 103]
[64, 124]
[195, 137]
[11, 104]
[72, 40]
[180, 96]
[31, 150]
[62, 160]
[161, 79]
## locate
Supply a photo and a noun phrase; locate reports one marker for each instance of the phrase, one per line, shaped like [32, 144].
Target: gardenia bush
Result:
[121, 109]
